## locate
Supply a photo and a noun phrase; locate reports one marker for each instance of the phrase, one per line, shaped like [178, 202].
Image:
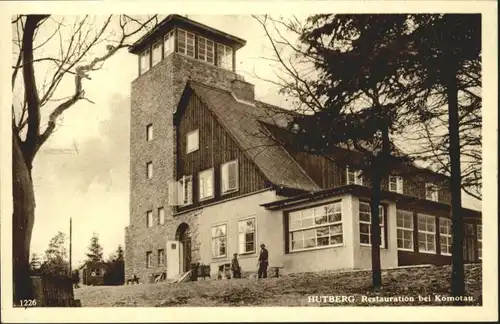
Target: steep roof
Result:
[241, 120]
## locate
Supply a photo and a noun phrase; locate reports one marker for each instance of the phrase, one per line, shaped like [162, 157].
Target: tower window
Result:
[144, 63]
[168, 44]
[149, 132]
[205, 50]
[156, 58]
[225, 56]
[185, 43]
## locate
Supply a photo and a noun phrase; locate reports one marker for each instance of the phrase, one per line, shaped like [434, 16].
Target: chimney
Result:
[243, 90]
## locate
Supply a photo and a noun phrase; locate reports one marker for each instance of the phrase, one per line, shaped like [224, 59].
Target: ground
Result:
[419, 286]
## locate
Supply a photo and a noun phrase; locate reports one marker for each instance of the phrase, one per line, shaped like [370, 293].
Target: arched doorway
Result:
[183, 235]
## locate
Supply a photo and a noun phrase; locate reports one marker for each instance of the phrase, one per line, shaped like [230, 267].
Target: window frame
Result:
[246, 219]
[220, 60]
[149, 219]
[161, 215]
[224, 190]
[311, 210]
[399, 182]
[182, 183]
[434, 194]
[202, 182]
[382, 225]
[358, 179]
[426, 233]
[149, 170]
[169, 39]
[141, 63]
[159, 46]
[446, 237]
[161, 261]
[197, 132]
[149, 259]
[403, 229]
[205, 49]
[186, 33]
[149, 132]
[213, 238]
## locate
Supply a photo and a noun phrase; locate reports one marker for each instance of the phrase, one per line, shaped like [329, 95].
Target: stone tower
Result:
[178, 50]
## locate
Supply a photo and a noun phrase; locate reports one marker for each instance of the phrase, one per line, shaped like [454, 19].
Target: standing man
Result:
[235, 266]
[263, 261]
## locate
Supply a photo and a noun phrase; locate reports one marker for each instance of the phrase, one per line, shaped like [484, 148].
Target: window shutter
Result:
[233, 175]
[173, 193]
[189, 183]
[225, 177]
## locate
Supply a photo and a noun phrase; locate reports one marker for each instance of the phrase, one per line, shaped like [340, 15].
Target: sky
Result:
[90, 184]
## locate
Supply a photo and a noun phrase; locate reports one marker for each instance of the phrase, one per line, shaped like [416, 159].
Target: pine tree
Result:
[95, 249]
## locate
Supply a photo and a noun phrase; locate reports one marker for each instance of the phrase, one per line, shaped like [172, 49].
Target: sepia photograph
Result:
[298, 159]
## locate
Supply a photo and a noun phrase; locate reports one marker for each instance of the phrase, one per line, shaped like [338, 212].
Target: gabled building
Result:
[209, 178]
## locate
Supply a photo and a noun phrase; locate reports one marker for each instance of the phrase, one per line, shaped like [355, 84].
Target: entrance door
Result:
[183, 235]
[173, 259]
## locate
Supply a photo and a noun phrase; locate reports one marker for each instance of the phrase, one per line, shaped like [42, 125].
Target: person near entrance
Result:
[263, 262]
[235, 266]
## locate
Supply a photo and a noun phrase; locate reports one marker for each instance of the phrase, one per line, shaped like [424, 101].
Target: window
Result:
[149, 167]
[396, 184]
[168, 44]
[186, 190]
[206, 181]
[431, 192]
[445, 235]
[246, 235]
[161, 216]
[205, 50]
[480, 241]
[149, 132]
[185, 43]
[144, 63]
[219, 240]
[354, 177]
[192, 141]
[404, 225]
[156, 53]
[229, 172]
[149, 259]
[315, 227]
[426, 233]
[161, 257]
[365, 220]
[225, 56]
[149, 218]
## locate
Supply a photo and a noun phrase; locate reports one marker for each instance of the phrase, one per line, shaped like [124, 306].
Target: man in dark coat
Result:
[235, 266]
[263, 261]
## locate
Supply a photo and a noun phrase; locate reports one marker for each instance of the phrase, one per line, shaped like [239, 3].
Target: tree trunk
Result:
[22, 222]
[375, 224]
[457, 274]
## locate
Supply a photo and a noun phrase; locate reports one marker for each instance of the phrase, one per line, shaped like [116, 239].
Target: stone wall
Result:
[154, 98]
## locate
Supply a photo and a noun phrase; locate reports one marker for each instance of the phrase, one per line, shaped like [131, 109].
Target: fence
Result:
[53, 291]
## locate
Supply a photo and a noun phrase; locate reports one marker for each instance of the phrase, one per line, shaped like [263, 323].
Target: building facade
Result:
[208, 177]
